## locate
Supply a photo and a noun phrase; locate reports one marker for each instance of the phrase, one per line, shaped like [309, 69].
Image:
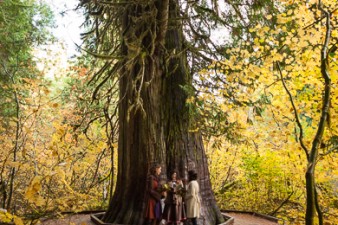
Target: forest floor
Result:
[84, 219]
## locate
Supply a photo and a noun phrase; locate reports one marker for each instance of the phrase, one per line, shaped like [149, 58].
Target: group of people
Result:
[181, 201]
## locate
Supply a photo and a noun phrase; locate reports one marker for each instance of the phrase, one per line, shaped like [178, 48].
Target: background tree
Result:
[23, 25]
[48, 165]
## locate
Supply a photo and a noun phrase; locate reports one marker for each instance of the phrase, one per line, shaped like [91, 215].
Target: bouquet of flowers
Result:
[164, 188]
[180, 190]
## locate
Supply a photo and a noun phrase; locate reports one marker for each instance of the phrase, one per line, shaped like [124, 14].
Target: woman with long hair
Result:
[153, 212]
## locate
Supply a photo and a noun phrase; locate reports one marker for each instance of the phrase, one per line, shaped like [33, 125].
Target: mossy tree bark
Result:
[154, 118]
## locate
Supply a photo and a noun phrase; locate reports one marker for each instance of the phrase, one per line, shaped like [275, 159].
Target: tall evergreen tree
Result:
[153, 49]
[152, 65]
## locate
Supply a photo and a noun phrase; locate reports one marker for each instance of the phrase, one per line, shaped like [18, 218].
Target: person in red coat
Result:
[153, 212]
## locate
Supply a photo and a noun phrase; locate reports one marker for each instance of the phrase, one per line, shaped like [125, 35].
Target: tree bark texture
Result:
[154, 119]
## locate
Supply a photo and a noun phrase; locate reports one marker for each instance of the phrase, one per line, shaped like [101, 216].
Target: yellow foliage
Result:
[18, 221]
[5, 216]
[55, 165]
[268, 163]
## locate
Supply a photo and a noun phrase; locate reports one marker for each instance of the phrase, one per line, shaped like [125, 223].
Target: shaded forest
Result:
[244, 92]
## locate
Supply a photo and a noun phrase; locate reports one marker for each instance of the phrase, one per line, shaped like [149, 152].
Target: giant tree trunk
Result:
[154, 119]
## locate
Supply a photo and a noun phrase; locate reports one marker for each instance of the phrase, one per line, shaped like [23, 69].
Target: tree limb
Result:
[301, 132]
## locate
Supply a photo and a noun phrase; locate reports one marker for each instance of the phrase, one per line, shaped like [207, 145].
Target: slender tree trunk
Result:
[153, 116]
[15, 150]
[311, 196]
